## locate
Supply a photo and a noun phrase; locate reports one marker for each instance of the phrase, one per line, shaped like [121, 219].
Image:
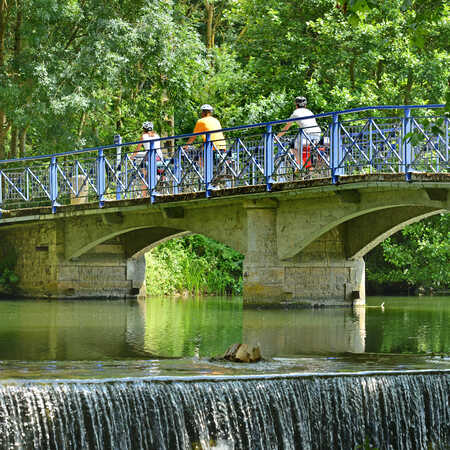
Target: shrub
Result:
[195, 265]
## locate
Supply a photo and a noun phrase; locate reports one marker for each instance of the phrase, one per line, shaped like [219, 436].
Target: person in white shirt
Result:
[311, 132]
[148, 134]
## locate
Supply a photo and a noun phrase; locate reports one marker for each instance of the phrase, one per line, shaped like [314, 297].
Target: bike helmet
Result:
[300, 101]
[207, 107]
[147, 126]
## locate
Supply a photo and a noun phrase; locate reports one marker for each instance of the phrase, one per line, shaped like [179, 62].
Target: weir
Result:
[407, 410]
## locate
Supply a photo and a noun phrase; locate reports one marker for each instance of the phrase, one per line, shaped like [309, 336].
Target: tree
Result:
[419, 255]
[75, 72]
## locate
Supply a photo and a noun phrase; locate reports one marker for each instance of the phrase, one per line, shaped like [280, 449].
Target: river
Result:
[162, 336]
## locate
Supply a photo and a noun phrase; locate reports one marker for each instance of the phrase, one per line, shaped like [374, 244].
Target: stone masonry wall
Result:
[319, 275]
[103, 272]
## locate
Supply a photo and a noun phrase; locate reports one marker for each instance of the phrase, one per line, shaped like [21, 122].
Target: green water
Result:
[160, 335]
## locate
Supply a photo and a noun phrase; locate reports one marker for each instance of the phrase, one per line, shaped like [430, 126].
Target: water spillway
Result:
[408, 410]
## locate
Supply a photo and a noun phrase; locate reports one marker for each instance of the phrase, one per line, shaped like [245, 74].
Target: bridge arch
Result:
[360, 220]
[141, 230]
[378, 231]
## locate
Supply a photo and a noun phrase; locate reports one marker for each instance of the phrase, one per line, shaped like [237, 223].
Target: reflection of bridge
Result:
[304, 212]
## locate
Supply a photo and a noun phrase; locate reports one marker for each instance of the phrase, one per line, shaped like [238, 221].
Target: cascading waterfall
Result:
[329, 411]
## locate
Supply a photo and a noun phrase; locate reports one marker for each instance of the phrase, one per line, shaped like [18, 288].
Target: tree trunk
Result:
[408, 87]
[81, 125]
[22, 142]
[379, 72]
[3, 131]
[13, 143]
[169, 124]
[209, 7]
[3, 26]
[17, 35]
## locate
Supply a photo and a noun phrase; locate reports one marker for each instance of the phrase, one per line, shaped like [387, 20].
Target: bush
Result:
[194, 265]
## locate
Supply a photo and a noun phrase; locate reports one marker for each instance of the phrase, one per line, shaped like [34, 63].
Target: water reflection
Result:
[309, 331]
[171, 328]
[36, 330]
[409, 325]
[191, 327]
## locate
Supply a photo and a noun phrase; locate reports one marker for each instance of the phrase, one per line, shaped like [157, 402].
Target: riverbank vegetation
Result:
[194, 265]
[416, 259]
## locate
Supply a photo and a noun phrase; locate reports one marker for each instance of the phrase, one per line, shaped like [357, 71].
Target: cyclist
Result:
[311, 131]
[139, 156]
[148, 134]
[209, 123]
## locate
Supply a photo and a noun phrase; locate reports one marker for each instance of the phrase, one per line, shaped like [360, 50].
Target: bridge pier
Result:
[320, 275]
[44, 272]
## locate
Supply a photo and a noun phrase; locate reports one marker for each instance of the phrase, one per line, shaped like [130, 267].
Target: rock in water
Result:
[241, 353]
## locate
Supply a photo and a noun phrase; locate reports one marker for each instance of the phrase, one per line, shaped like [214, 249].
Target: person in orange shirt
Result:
[209, 123]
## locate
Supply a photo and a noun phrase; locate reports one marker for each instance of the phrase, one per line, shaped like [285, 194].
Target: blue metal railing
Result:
[355, 141]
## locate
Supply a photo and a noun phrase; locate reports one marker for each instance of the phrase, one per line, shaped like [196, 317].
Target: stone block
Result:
[265, 275]
[68, 273]
[109, 249]
[101, 275]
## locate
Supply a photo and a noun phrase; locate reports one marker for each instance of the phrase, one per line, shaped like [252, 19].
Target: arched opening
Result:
[413, 259]
[353, 237]
[164, 260]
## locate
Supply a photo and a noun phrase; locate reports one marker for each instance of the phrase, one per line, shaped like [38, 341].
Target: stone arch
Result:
[154, 244]
[138, 242]
[376, 231]
[211, 222]
[135, 240]
[344, 216]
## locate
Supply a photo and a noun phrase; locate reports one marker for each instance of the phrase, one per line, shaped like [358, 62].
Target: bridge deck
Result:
[304, 188]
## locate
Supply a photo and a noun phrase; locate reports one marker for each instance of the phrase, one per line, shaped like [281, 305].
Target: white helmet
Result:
[207, 107]
[147, 126]
[300, 101]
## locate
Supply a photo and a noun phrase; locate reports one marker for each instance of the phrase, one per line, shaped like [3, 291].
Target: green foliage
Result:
[74, 73]
[194, 264]
[8, 260]
[419, 255]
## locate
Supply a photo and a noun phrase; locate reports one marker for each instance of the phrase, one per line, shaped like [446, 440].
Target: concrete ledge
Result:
[301, 187]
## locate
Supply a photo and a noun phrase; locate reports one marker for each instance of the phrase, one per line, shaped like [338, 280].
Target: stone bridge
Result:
[303, 242]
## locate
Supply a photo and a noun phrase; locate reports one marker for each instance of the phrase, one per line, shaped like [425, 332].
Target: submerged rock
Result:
[240, 353]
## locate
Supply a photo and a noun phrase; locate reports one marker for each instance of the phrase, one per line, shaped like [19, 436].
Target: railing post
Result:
[407, 147]
[371, 144]
[118, 141]
[335, 150]
[177, 170]
[268, 157]
[101, 178]
[151, 171]
[27, 184]
[53, 183]
[209, 163]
